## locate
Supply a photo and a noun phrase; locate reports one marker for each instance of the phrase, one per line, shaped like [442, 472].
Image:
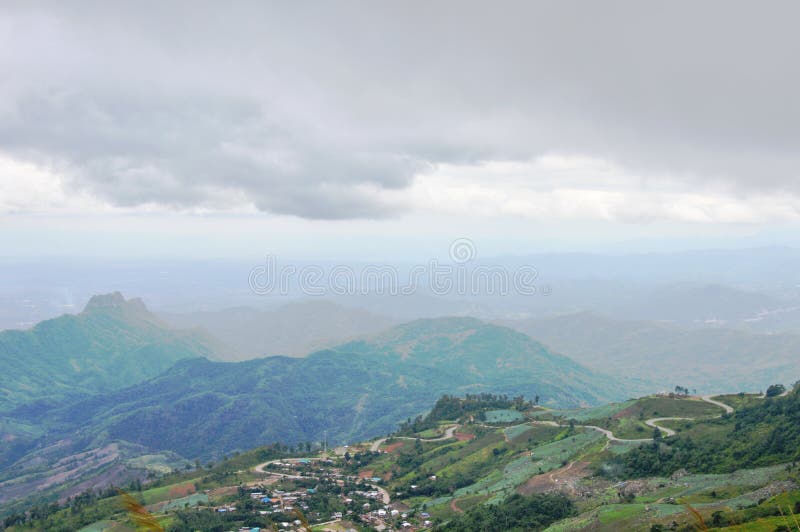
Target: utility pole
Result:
[325, 444]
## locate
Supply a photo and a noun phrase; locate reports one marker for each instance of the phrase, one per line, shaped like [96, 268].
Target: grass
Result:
[649, 407]
[522, 467]
[622, 447]
[100, 526]
[585, 414]
[430, 433]
[739, 400]
[630, 429]
[619, 512]
[165, 493]
[517, 431]
[583, 522]
[629, 422]
[503, 416]
[191, 500]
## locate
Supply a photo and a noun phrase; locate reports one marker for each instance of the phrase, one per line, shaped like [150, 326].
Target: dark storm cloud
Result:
[313, 109]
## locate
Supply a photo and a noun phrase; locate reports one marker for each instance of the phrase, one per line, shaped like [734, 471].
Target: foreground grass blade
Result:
[700, 522]
[139, 514]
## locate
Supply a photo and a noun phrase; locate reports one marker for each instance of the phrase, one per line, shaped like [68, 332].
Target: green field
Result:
[739, 400]
[165, 493]
[503, 416]
[584, 414]
[517, 431]
[191, 500]
[544, 458]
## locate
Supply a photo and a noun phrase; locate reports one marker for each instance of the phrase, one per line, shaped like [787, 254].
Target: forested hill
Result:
[112, 344]
[764, 433]
[201, 408]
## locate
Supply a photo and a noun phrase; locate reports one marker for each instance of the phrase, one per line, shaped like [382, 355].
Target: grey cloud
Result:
[299, 107]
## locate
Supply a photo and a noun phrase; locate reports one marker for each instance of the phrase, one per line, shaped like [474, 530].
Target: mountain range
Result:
[709, 359]
[356, 390]
[163, 395]
[112, 344]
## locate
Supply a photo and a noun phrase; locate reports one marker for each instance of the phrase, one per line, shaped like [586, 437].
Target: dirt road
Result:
[376, 445]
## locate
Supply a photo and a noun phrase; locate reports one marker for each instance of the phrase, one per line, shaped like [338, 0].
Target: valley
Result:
[473, 456]
[399, 266]
[513, 426]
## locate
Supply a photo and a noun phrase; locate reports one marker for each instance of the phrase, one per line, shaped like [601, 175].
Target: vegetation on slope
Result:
[467, 472]
[517, 513]
[201, 408]
[764, 433]
[112, 344]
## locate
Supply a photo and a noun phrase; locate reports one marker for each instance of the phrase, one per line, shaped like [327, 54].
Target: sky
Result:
[388, 129]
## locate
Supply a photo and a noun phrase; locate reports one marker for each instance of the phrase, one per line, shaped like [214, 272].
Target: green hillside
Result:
[763, 433]
[202, 408]
[112, 344]
[488, 357]
[482, 462]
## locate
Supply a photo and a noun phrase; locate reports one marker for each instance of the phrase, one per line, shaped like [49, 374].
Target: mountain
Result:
[482, 355]
[113, 343]
[292, 330]
[711, 359]
[359, 389]
[699, 304]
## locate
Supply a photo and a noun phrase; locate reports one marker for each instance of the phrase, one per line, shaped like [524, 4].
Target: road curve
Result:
[610, 435]
[376, 445]
[385, 497]
[607, 433]
[653, 422]
[708, 399]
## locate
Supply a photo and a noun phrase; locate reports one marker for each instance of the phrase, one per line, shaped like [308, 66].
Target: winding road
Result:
[708, 399]
[385, 497]
[260, 468]
[450, 432]
[376, 445]
[652, 422]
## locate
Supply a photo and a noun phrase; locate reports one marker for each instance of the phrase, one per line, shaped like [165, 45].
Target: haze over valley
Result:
[353, 266]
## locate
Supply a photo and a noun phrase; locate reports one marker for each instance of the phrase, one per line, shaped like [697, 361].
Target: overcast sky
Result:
[160, 127]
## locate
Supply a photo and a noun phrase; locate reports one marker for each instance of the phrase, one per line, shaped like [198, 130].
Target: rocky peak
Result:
[114, 300]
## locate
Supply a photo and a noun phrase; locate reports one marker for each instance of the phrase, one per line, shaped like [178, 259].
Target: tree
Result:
[775, 390]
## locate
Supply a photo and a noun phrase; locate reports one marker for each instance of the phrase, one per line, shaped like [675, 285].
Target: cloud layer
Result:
[346, 110]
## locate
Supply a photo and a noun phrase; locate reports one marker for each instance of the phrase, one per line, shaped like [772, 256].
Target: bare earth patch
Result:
[182, 490]
[393, 447]
[563, 479]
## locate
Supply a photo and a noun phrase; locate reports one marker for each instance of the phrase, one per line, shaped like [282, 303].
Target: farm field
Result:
[457, 466]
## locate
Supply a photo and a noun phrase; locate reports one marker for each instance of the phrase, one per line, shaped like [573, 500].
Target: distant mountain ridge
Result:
[115, 374]
[489, 354]
[711, 359]
[113, 343]
[356, 390]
